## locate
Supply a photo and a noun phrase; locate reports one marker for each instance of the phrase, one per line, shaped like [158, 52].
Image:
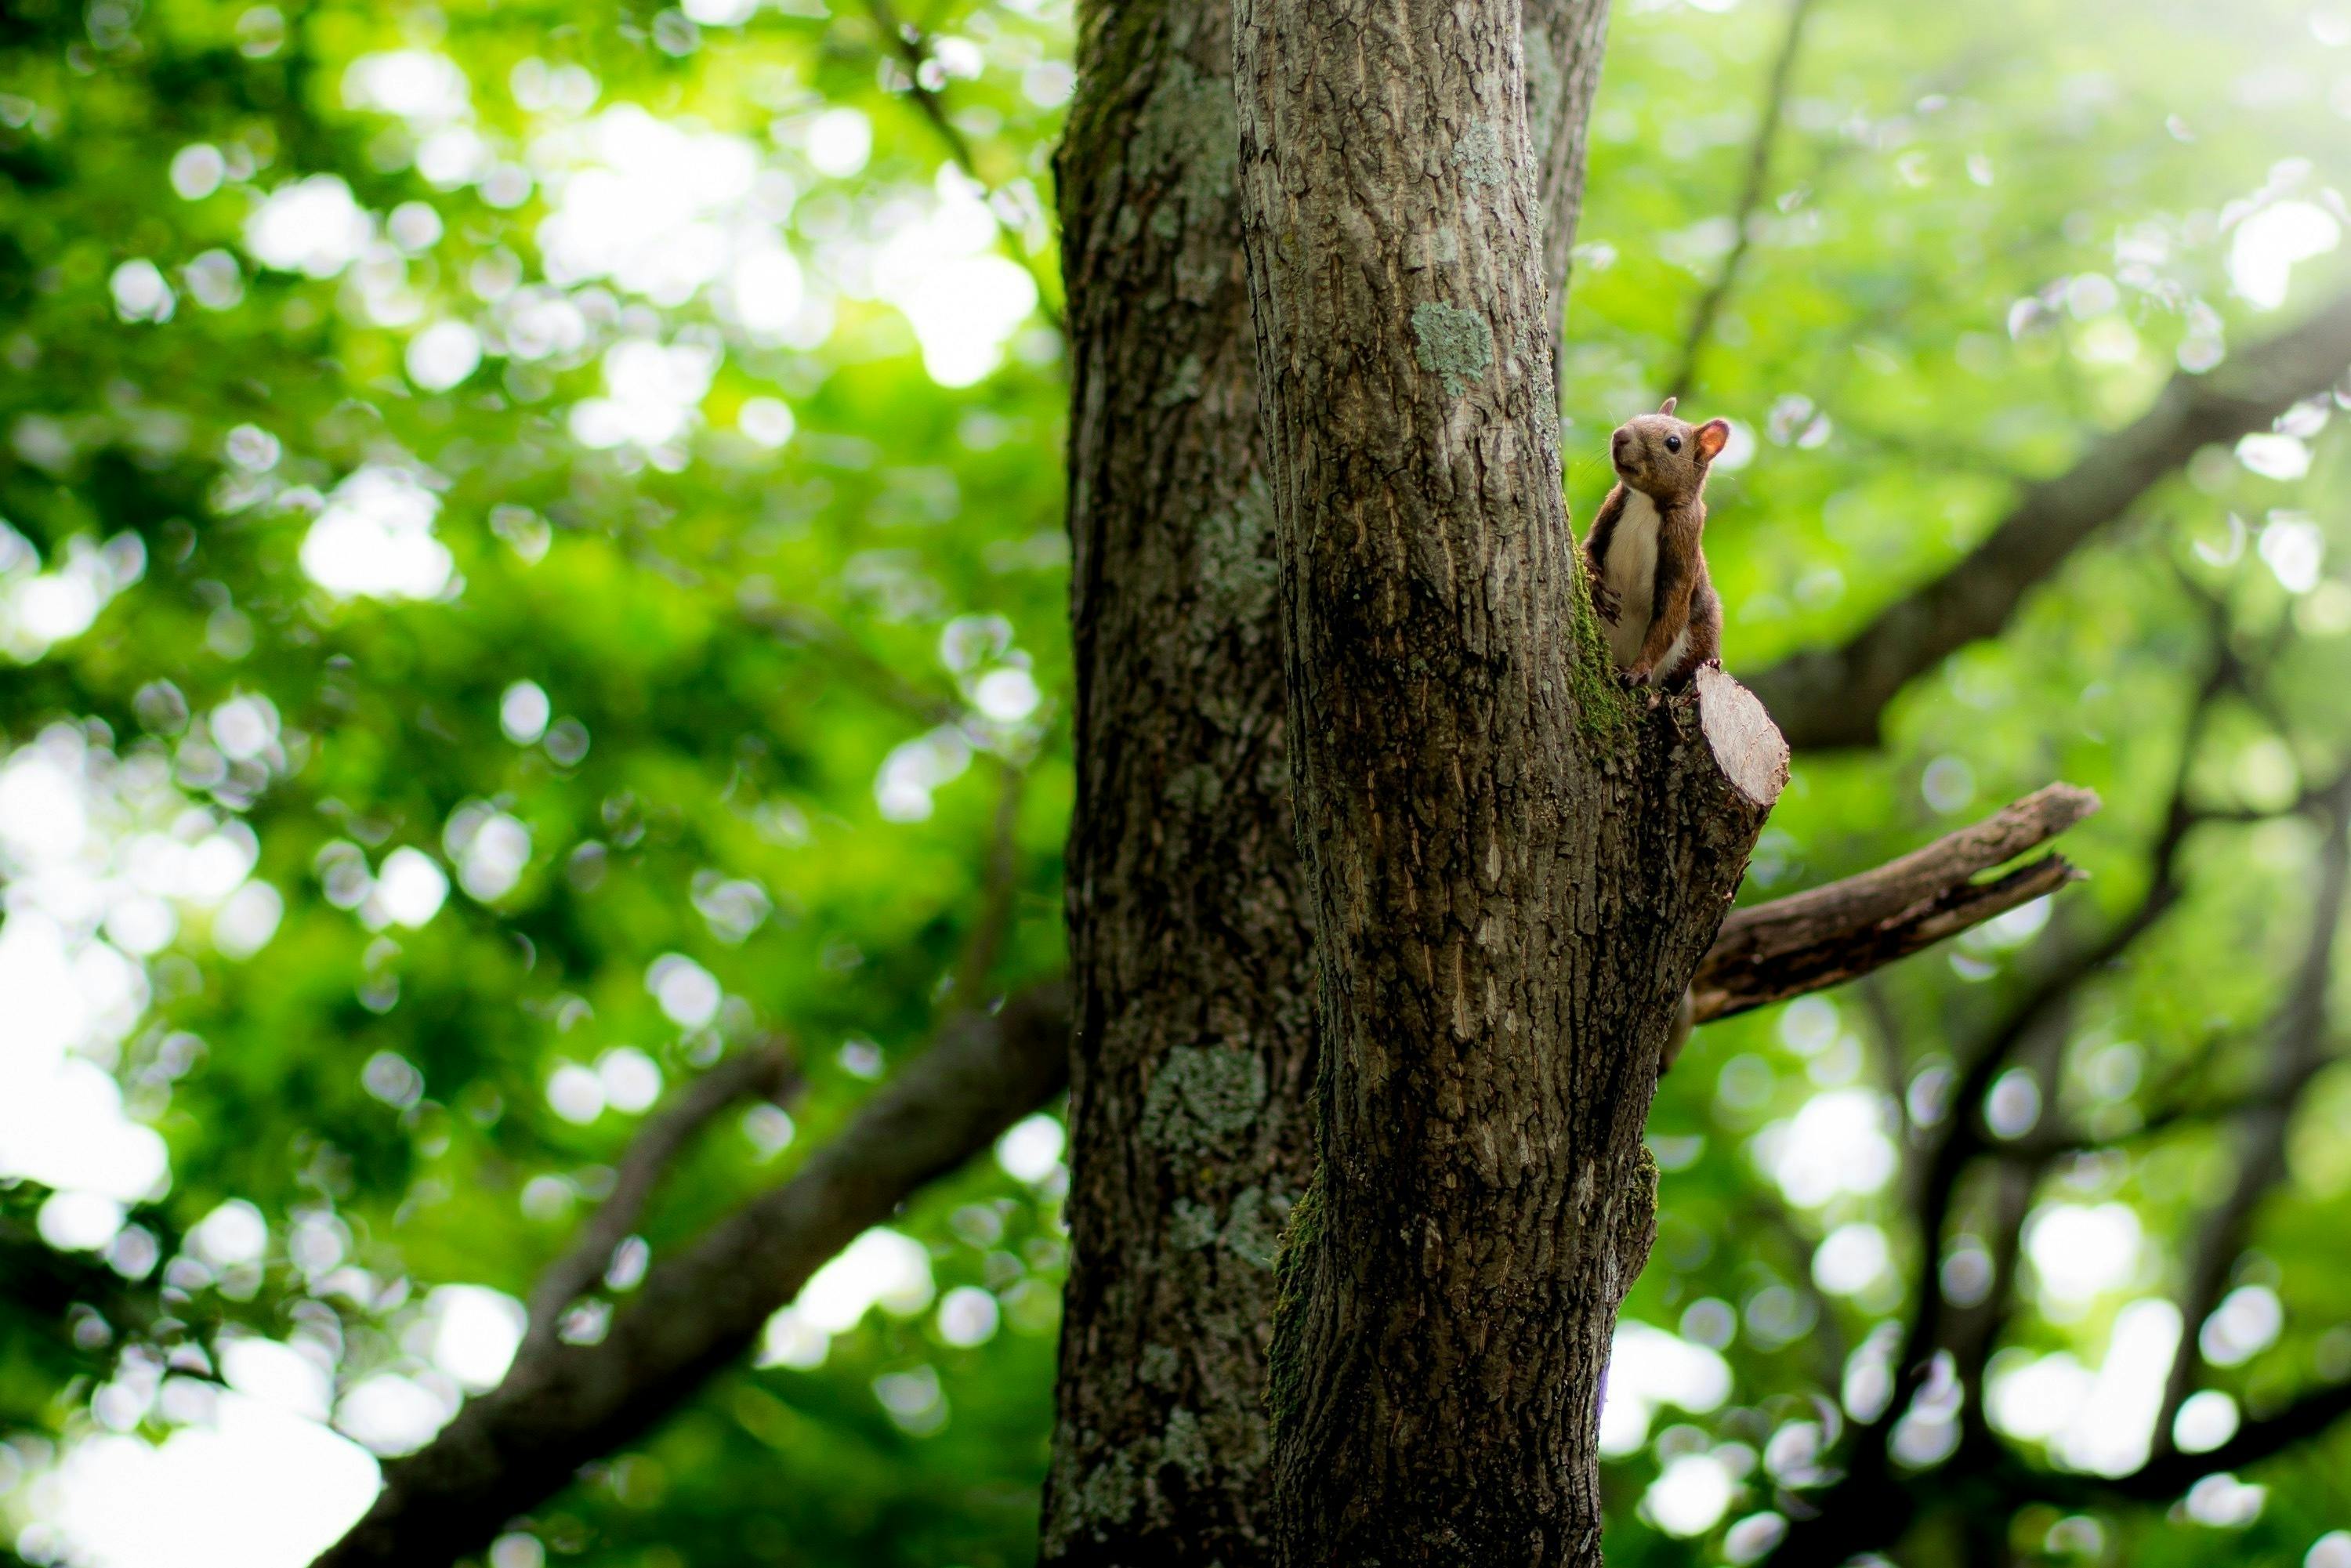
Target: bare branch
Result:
[1837, 696]
[766, 1070]
[913, 52]
[703, 1308]
[1750, 198]
[1829, 935]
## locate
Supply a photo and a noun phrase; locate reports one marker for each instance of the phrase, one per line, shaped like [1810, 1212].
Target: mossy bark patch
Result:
[1453, 343]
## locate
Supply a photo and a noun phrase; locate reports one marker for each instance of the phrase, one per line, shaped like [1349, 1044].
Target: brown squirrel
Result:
[1648, 574]
[1649, 580]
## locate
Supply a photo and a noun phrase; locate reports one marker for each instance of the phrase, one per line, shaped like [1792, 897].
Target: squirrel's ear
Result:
[1712, 437]
[1668, 406]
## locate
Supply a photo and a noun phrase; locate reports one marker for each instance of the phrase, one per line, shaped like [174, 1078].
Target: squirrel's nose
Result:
[1623, 439]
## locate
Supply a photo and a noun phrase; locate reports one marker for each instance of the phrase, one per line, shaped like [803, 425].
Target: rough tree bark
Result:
[1190, 948]
[1191, 936]
[1515, 868]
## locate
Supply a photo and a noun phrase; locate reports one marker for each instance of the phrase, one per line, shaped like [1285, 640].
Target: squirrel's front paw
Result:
[1634, 678]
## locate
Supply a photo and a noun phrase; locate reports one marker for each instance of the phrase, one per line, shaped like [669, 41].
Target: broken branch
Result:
[1827, 935]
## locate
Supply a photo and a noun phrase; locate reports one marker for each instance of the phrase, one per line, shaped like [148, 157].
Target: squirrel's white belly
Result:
[1631, 575]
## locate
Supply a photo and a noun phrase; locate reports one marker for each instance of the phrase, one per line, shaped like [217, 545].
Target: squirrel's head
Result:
[1663, 457]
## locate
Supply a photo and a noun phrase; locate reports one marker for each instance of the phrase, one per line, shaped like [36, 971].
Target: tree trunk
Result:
[1515, 867]
[1191, 939]
[1565, 41]
[1191, 955]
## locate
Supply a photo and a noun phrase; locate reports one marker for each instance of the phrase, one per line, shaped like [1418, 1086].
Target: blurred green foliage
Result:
[680, 612]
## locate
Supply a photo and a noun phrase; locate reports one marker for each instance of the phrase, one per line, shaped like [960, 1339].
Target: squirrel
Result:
[1648, 574]
[1649, 580]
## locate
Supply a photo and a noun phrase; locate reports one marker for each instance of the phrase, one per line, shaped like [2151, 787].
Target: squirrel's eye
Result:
[1673, 444]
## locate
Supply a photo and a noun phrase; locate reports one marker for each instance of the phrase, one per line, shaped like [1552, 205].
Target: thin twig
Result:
[994, 925]
[1750, 198]
[911, 46]
[766, 1070]
[2300, 1052]
[812, 628]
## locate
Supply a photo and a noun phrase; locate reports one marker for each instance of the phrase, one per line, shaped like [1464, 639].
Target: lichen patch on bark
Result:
[1478, 154]
[1186, 129]
[1453, 343]
[1202, 1098]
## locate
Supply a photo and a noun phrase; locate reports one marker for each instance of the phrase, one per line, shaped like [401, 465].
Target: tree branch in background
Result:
[2012, 1482]
[912, 47]
[563, 1404]
[1813, 940]
[812, 628]
[2299, 1052]
[2168, 1116]
[2302, 1048]
[701, 1310]
[766, 1070]
[2160, 1480]
[1001, 879]
[1837, 696]
[1871, 1507]
[1750, 198]
[1865, 1507]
